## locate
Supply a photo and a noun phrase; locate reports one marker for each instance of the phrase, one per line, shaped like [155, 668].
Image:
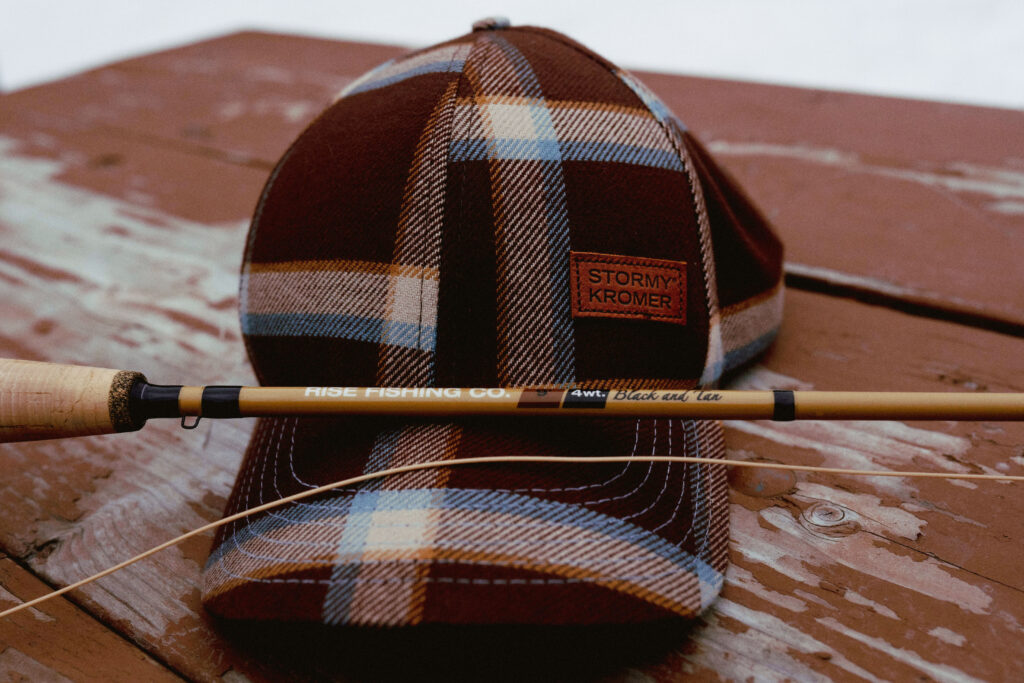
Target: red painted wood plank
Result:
[245, 96]
[58, 641]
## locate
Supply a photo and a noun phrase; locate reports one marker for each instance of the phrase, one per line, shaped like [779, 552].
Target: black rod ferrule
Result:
[785, 406]
[221, 401]
[154, 400]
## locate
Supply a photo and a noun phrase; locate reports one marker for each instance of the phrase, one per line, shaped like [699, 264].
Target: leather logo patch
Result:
[612, 286]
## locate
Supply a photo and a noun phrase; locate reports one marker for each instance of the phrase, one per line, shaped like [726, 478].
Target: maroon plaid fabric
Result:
[419, 233]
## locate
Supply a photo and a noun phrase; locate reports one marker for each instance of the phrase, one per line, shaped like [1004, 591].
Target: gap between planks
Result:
[66, 616]
[883, 294]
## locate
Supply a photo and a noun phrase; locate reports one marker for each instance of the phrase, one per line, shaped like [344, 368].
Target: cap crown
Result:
[504, 209]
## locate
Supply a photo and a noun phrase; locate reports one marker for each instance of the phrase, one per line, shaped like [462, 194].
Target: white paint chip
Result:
[947, 636]
[940, 672]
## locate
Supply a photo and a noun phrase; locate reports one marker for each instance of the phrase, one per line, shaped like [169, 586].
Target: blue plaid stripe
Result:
[479, 149]
[446, 59]
[340, 326]
[341, 589]
[734, 357]
[382, 456]
[650, 100]
[750, 328]
[448, 66]
[525, 128]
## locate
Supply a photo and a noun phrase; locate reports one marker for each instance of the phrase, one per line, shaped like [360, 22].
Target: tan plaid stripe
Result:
[749, 326]
[510, 117]
[400, 294]
[356, 300]
[418, 241]
[394, 592]
[535, 342]
[389, 588]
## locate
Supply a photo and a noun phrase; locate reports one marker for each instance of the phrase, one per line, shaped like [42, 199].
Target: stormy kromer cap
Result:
[506, 209]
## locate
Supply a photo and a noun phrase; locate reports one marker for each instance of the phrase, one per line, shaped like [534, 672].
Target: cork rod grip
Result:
[51, 401]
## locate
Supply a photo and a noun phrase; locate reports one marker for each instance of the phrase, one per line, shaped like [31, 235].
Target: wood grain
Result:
[59, 642]
[123, 210]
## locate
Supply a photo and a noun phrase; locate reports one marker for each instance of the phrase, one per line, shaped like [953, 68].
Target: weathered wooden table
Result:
[124, 199]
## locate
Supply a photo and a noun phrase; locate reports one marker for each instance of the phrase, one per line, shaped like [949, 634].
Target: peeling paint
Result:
[870, 284]
[958, 177]
[742, 578]
[864, 445]
[940, 672]
[947, 636]
[165, 281]
[858, 599]
[769, 627]
[69, 226]
[1008, 207]
[859, 551]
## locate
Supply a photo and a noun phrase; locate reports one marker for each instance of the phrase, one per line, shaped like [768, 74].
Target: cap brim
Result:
[510, 543]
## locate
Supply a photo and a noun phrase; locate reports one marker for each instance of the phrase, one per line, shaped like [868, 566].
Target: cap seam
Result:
[449, 117]
[584, 503]
[508, 564]
[276, 442]
[761, 252]
[250, 242]
[696, 191]
[609, 69]
[587, 504]
[569, 538]
[442, 290]
[462, 186]
[563, 40]
[520, 490]
[356, 579]
[446, 116]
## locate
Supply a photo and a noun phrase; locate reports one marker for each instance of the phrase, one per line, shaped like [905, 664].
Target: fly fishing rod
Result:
[50, 401]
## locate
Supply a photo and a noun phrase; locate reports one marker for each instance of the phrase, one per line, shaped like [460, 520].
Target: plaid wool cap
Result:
[506, 209]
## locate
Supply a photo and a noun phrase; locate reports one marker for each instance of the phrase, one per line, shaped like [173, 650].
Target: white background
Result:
[954, 50]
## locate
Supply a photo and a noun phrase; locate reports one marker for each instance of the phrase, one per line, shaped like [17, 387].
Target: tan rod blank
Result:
[697, 404]
[46, 401]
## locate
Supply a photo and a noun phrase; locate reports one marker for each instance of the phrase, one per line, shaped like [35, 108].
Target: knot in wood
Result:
[829, 519]
[825, 514]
